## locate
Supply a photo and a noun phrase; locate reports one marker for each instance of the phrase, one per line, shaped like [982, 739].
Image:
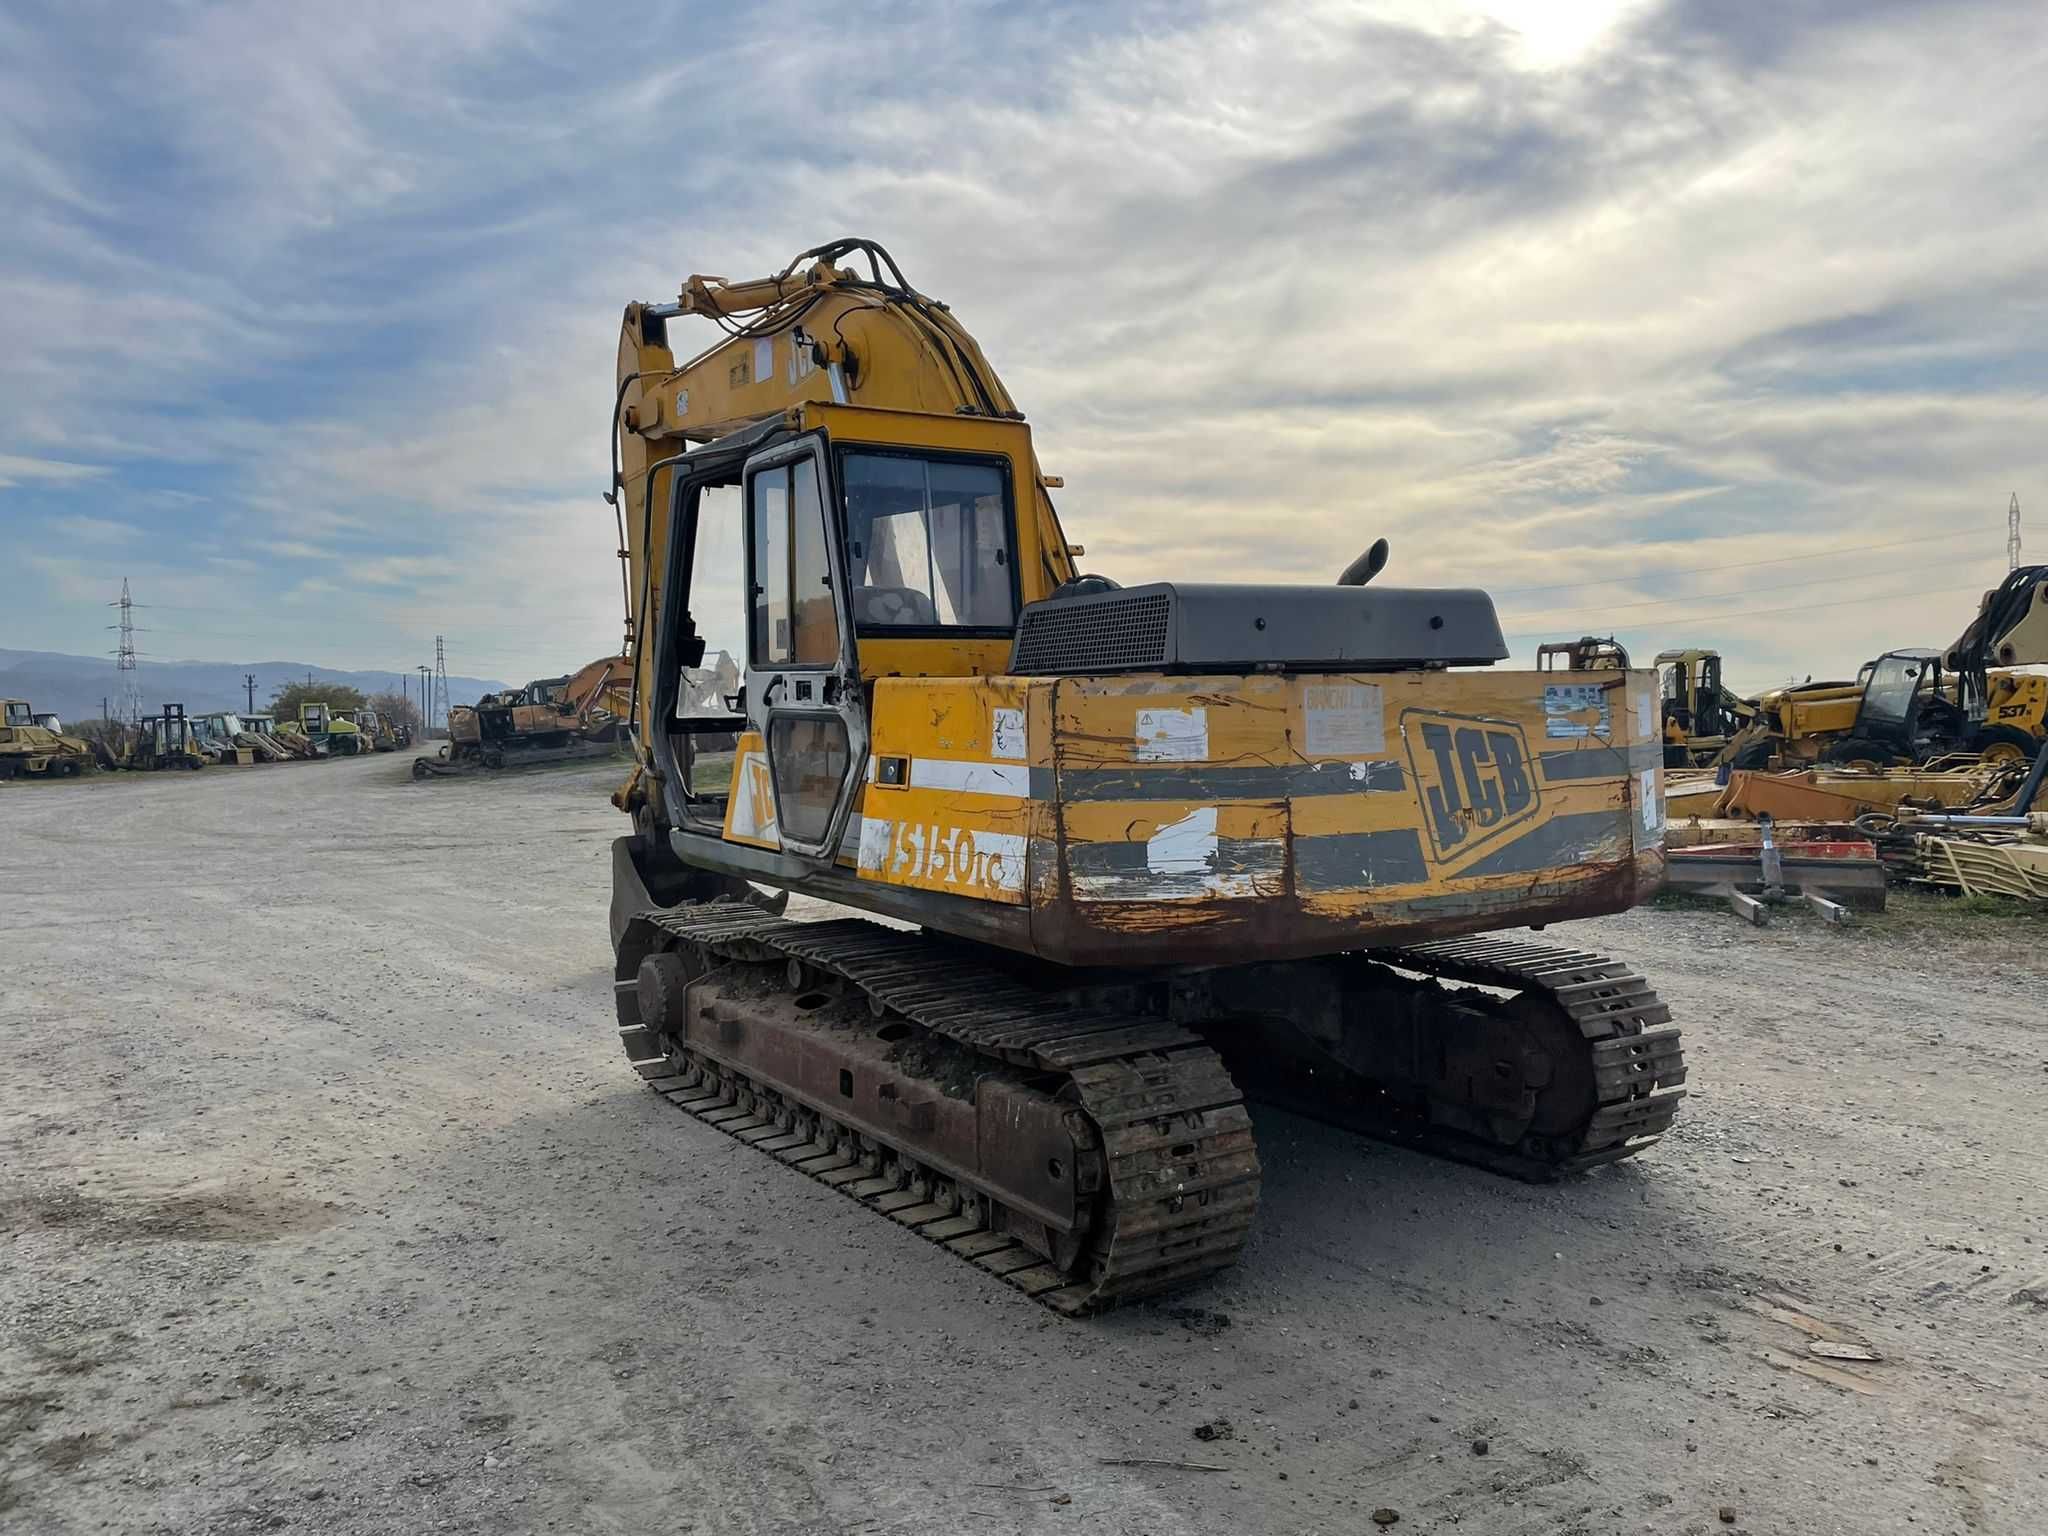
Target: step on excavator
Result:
[1127, 854]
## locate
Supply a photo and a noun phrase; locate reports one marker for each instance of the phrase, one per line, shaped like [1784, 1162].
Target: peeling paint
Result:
[1006, 734]
[1344, 719]
[1573, 710]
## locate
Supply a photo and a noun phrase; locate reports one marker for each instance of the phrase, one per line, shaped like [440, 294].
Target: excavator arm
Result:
[820, 333]
[597, 692]
[2010, 630]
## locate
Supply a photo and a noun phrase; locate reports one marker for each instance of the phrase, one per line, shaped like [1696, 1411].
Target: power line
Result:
[1682, 598]
[1751, 613]
[1949, 536]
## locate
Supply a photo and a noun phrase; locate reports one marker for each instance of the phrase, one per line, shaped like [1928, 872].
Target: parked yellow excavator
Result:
[1136, 852]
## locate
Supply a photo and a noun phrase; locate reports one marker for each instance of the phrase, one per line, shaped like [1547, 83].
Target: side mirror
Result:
[1366, 566]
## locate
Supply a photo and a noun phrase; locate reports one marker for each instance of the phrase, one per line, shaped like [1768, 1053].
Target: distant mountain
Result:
[73, 686]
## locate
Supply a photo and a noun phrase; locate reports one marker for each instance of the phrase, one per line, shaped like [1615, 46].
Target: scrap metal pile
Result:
[1998, 847]
[552, 719]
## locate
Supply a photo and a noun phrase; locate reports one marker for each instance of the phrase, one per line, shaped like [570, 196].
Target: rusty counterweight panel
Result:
[1294, 815]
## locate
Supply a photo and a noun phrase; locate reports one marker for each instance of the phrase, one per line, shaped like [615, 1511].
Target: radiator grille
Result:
[1106, 635]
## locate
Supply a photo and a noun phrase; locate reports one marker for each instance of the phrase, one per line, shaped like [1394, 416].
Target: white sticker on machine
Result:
[1006, 734]
[764, 359]
[1344, 719]
[1575, 710]
[1172, 735]
[1653, 809]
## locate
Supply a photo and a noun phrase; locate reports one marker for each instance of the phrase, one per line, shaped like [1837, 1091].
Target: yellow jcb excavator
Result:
[1145, 850]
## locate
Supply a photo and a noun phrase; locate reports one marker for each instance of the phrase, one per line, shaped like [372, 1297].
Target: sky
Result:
[1721, 322]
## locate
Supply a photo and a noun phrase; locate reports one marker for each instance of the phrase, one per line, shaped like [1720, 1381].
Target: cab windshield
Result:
[1894, 684]
[928, 543]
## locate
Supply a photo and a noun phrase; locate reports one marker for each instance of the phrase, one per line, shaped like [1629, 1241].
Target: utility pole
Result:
[2012, 534]
[426, 703]
[249, 682]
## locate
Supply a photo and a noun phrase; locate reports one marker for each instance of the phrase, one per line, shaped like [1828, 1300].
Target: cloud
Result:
[95, 530]
[17, 470]
[1638, 312]
[295, 549]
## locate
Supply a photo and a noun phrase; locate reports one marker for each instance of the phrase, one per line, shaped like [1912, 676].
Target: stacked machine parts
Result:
[1149, 849]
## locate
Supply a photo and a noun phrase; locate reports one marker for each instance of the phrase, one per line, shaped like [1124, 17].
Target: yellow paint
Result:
[971, 843]
[750, 801]
[1032, 791]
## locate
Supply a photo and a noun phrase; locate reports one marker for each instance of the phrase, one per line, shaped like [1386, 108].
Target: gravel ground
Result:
[328, 1204]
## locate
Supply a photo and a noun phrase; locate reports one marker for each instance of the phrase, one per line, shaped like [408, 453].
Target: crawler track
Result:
[1178, 1176]
[1637, 1064]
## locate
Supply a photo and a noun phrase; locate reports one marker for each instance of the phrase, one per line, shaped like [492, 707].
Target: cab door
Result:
[803, 679]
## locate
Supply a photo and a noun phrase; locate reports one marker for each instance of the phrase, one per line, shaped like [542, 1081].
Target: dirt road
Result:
[329, 1205]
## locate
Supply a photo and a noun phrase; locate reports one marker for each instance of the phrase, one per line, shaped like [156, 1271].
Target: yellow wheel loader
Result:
[332, 732]
[30, 748]
[220, 736]
[1131, 854]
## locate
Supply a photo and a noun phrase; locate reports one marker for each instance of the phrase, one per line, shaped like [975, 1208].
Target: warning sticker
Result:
[1574, 710]
[1344, 719]
[1172, 735]
[1649, 793]
[1007, 734]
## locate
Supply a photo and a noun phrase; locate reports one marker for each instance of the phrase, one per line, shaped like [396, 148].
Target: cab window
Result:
[793, 619]
[928, 543]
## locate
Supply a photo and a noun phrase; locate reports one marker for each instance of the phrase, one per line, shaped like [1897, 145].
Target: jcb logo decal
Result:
[1475, 778]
